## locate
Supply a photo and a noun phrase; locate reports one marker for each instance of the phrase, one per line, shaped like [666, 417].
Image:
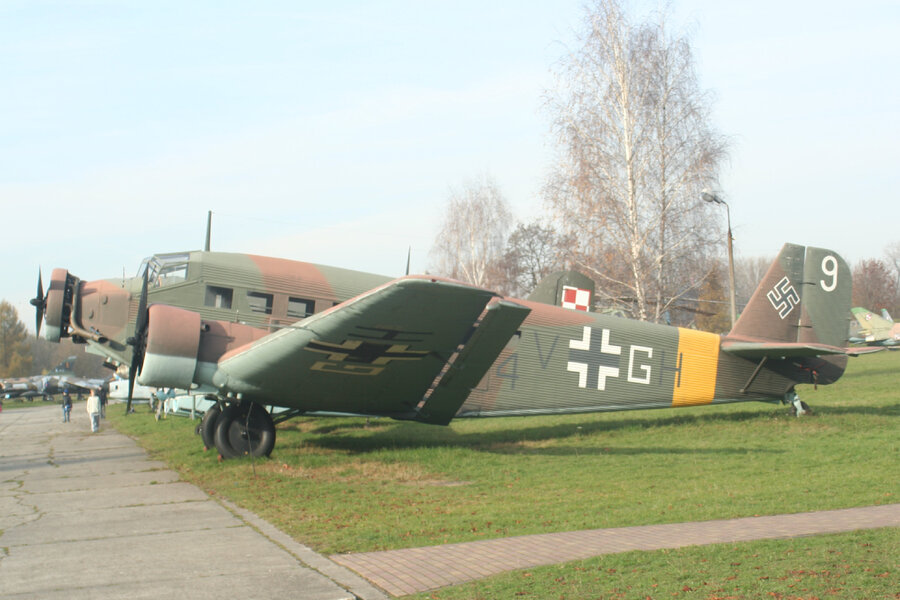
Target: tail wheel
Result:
[244, 429]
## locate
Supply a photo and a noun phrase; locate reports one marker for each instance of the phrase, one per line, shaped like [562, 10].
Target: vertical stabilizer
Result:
[804, 297]
[773, 311]
[569, 289]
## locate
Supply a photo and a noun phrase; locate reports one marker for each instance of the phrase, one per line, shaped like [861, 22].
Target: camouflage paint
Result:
[412, 348]
[110, 306]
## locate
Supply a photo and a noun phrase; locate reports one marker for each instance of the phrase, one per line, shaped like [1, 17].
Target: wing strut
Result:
[756, 371]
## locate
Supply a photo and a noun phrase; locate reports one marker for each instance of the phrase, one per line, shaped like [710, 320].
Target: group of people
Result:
[96, 407]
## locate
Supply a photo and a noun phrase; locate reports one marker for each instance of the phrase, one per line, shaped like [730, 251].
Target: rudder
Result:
[826, 298]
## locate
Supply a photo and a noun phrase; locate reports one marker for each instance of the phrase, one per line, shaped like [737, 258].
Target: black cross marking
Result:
[390, 335]
[365, 352]
[594, 358]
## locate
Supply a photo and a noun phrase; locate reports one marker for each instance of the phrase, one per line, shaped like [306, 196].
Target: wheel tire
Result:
[236, 437]
[207, 428]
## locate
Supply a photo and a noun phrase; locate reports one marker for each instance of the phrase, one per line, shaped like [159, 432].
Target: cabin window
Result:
[298, 308]
[218, 297]
[260, 303]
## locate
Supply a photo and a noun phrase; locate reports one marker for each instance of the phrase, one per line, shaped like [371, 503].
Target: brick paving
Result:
[412, 570]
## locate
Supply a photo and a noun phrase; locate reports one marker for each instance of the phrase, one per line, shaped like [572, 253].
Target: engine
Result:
[59, 304]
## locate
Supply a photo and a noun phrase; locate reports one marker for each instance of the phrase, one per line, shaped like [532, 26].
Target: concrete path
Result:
[412, 570]
[87, 515]
[90, 516]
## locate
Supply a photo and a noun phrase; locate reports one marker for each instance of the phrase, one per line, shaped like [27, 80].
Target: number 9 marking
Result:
[830, 269]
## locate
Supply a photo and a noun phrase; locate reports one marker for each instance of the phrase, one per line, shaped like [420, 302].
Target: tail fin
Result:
[887, 316]
[871, 326]
[65, 366]
[804, 297]
[569, 289]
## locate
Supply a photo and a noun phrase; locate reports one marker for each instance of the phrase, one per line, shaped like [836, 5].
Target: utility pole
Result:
[711, 197]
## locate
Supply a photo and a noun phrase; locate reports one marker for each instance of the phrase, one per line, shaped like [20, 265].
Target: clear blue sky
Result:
[332, 132]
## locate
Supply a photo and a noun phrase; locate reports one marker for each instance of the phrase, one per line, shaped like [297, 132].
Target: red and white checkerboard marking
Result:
[576, 298]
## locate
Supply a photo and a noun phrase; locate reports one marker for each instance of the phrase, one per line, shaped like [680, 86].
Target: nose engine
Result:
[57, 306]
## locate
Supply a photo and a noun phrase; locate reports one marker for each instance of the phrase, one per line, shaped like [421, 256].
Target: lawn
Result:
[852, 566]
[352, 484]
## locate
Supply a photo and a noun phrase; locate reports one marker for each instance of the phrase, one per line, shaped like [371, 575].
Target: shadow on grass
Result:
[892, 410]
[625, 451]
[389, 435]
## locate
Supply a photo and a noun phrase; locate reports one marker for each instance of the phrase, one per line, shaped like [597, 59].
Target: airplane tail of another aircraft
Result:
[872, 326]
[803, 298]
[65, 366]
[569, 289]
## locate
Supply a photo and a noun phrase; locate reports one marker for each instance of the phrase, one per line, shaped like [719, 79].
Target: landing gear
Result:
[798, 406]
[207, 427]
[243, 429]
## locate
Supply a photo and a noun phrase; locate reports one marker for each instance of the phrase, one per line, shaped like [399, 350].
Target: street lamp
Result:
[711, 197]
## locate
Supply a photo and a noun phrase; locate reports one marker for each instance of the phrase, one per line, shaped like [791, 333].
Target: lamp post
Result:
[711, 197]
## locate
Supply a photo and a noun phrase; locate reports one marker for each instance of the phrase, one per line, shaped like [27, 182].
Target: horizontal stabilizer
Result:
[755, 350]
[494, 331]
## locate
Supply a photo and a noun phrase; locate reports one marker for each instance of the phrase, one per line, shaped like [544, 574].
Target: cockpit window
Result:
[165, 269]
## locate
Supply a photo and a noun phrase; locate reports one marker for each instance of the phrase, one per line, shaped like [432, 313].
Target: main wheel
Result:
[207, 428]
[244, 429]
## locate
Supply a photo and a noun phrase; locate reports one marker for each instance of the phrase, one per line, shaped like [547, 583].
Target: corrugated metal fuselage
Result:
[563, 361]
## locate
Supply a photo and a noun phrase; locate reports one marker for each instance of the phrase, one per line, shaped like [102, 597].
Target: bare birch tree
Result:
[472, 239]
[637, 149]
[532, 253]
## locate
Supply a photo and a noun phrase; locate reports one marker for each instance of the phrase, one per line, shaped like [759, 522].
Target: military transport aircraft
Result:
[253, 332]
[875, 330]
[46, 385]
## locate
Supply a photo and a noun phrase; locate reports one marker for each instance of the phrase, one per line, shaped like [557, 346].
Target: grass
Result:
[14, 403]
[852, 565]
[351, 485]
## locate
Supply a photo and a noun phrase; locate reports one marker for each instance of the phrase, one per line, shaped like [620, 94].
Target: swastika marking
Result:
[783, 297]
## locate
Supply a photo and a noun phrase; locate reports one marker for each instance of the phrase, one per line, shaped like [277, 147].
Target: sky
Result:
[334, 132]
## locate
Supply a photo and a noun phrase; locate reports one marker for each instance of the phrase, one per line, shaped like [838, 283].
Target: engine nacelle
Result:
[173, 341]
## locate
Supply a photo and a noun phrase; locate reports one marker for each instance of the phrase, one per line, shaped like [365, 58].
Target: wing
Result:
[380, 353]
[81, 382]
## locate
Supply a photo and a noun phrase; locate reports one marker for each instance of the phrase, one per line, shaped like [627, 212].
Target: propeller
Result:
[39, 303]
[138, 342]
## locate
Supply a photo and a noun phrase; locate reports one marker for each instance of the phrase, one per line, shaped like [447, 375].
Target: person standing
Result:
[66, 405]
[102, 393]
[93, 409]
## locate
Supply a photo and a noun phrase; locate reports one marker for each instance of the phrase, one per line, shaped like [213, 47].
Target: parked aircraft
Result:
[875, 330]
[252, 331]
[47, 385]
